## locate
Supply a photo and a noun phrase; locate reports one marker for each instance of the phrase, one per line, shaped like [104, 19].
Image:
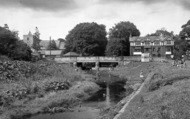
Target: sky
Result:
[56, 18]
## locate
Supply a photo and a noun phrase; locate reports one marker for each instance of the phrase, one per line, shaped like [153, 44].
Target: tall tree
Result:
[180, 47]
[52, 45]
[122, 31]
[163, 32]
[36, 40]
[7, 41]
[21, 51]
[87, 39]
[115, 47]
[185, 33]
[12, 47]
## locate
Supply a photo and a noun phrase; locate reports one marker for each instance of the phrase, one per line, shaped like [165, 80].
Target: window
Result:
[168, 42]
[147, 43]
[137, 43]
[168, 49]
[157, 43]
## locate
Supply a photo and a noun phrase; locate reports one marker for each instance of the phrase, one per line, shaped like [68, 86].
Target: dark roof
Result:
[151, 38]
[53, 52]
[70, 54]
[45, 43]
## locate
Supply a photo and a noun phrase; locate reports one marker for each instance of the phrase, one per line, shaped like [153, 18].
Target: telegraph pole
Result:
[50, 46]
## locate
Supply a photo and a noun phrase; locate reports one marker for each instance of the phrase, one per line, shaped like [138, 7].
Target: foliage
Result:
[181, 45]
[21, 52]
[7, 41]
[121, 31]
[115, 47]
[61, 40]
[52, 45]
[160, 32]
[87, 39]
[10, 46]
[55, 86]
[185, 33]
[36, 42]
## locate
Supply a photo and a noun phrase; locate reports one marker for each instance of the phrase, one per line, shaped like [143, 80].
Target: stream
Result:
[110, 94]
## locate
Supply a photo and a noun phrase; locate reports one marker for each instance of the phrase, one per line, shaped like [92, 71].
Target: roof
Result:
[151, 38]
[53, 52]
[71, 54]
[45, 43]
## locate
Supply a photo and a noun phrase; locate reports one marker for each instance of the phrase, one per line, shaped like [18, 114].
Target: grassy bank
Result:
[42, 87]
[131, 72]
[166, 96]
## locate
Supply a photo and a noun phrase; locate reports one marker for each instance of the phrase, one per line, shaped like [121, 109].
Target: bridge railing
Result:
[97, 58]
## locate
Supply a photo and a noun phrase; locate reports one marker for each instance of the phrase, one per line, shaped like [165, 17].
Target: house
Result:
[160, 46]
[60, 44]
[51, 53]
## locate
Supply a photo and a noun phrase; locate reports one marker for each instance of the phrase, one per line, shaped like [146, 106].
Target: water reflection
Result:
[110, 94]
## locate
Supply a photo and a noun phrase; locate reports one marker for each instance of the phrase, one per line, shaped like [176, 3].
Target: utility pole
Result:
[50, 46]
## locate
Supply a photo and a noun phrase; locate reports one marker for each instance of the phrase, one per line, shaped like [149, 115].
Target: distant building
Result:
[50, 53]
[160, 46]
[44, 44]
[28, 39]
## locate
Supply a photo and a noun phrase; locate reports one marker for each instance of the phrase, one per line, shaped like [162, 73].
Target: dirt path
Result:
[128, 100]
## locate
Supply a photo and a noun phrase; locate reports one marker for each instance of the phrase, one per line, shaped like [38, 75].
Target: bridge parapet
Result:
[96, 59]
[66, 59]
[87, 59]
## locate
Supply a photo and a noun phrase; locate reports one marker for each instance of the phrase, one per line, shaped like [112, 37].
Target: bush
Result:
[55, 86]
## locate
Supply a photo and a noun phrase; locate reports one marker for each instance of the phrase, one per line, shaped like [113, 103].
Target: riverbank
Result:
[41, 87]
[131, 72]
[166, 95]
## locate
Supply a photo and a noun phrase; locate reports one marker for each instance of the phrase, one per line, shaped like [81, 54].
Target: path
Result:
[133, 95]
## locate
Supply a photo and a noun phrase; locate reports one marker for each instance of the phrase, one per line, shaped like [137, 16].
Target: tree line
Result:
[91, 39]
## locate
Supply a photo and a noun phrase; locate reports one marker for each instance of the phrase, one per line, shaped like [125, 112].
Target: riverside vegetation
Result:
[41, 87]
[164, 96]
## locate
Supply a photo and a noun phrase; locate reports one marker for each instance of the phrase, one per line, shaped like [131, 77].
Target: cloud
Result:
[143, 1]
[185, 4]
[45, 5]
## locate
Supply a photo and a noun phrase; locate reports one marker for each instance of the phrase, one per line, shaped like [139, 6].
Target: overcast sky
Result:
[57, 17]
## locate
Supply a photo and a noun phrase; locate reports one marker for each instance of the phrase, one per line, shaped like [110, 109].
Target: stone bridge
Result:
[98, 61]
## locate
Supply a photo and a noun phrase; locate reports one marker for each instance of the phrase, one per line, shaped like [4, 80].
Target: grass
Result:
[166, 96]
[40, 89]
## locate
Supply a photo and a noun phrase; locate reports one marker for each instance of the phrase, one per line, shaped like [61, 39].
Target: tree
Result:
[52, 45]
[115, 47]
[10, 46]
[180, 47]
[121, 32]
[21, 51]
[87, 39]
[36, 40]
[61, 40]
[163, 32]
[185, 33]
[7, 41]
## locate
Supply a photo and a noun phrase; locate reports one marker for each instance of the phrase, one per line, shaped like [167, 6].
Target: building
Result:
[50, 53]
[28, 39]
[60, 44]
[160, 46]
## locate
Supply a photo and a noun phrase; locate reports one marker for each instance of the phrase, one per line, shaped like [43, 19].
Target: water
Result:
[110, 94]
